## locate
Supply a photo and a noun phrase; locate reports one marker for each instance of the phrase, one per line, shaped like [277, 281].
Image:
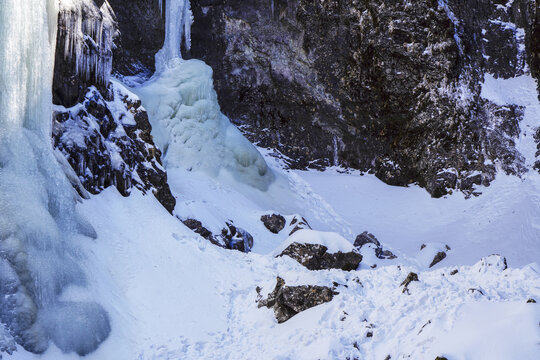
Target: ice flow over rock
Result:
[186, 118]
[39, 226]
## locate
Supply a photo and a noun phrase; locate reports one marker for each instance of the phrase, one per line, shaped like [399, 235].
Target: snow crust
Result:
[333, 241]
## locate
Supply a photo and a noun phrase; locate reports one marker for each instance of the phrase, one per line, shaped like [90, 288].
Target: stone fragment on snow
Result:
[288, 301]
[410, 278]
[368, 238]
[441, 255]
[236, 238]
[275, 222]
[198, 228]
[316, 257]
[298, 223]
[491, 263]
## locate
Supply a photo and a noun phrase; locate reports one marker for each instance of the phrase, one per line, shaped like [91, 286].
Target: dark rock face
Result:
[409, 279]
[368, 238]
[108, 143]
[198, 228]
[288, 301]
[236, 238]
[440, 256]
[390, 88]
[142, 33]
[316, 257]
[298, 223]
[275, 222]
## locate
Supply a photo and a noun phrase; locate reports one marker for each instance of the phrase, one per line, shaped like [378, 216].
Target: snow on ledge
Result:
[333, 241]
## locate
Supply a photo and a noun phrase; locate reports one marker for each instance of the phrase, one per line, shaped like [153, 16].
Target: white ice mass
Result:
[40, 229]
[185, 115]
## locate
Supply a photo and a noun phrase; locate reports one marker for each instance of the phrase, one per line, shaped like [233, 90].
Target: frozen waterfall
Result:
[39, 225]
[186, 118]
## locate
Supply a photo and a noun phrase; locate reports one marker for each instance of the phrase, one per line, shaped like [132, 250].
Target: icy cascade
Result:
[179, 19]
[187, 123]
[89, 33]
[39, 225]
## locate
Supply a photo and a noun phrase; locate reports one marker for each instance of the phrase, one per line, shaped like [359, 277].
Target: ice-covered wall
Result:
[39, 225]
[88, 33]
[184, 111]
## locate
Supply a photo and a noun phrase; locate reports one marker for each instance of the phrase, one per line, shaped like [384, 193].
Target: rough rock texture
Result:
[409, 279]
[101, 128]
[316, 257]
[275, 222]
[198, 228]
[288, 301]
[142, 33]
[390, 88]
[366, 238]
[107, 142]
[236, 238]
[298, 223]
[440, 256]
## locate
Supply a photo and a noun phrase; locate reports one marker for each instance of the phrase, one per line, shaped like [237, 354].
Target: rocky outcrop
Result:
[274, 223]
[288, 301]
[100, 127]
[236, 238]
[368, 238]
[316, 257]
[107, 142]
[390, 88]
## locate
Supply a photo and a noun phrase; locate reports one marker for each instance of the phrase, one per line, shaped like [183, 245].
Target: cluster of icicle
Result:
[88, 33]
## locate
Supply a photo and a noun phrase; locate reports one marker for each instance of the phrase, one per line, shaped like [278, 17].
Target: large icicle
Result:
[186, 118]
[39, 225]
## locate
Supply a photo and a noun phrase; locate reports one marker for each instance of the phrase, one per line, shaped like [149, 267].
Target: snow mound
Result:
[333, 241]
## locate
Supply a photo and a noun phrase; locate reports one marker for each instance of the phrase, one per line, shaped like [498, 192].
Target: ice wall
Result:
[39, 225]
[186, 118]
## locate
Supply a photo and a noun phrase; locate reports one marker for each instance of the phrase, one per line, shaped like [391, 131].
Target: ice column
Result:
[187, 123]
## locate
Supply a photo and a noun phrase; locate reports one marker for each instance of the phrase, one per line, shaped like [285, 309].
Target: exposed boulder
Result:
[275, 222]
[366, 238]
[236, 238]
[491, 263]
[409, 279]
[316, 257]
[441, 255]
[198, 228]
[288, 301]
